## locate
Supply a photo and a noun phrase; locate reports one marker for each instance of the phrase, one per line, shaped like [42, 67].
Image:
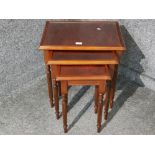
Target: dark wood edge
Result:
[120, 36]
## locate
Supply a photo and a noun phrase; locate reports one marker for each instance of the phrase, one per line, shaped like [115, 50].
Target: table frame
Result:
[48, 51]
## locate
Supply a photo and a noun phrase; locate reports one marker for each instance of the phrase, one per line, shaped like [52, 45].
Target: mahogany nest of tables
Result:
[82, 52]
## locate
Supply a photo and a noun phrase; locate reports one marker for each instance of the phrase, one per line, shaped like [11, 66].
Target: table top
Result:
[82, 35]
[99, 72]
[83, 58]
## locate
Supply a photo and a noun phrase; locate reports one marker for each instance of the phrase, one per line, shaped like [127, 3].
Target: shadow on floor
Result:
[128, 89]
[76, 119]
[131, 62]
[77, 97]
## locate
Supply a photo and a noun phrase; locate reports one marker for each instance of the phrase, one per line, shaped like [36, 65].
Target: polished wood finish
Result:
[85, 55]
[55, 98]
[47, 56]
[83, 83]
[83, 58]
[64, 112]
[76, 51]
[83, 79]
[59, 88]
[64, 91]
[107, 100]
[102, 89]
[49, 82]
[100, 109]
[83, 73]
[82, 35]
[96, 98]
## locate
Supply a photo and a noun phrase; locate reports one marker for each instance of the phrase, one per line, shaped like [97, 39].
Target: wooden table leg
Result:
[64, 111]
[49, 82]
[100, 105]
[107, 99]
[113, 87]
[96, 98]
[99, 112]
[55, 98]
[64, 104]
[59, 88]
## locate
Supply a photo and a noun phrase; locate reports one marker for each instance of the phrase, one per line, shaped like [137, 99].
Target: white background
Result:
[77, 9]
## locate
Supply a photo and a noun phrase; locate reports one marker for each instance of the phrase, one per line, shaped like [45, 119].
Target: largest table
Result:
[85, 36]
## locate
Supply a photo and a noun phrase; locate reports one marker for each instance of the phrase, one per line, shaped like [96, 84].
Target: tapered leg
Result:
[59, 88]
[96, 98]
[99, 112]
[49, 82]
[107, 100]
[64, 111]
[55, 98]
[113, 88]
[64, 91]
